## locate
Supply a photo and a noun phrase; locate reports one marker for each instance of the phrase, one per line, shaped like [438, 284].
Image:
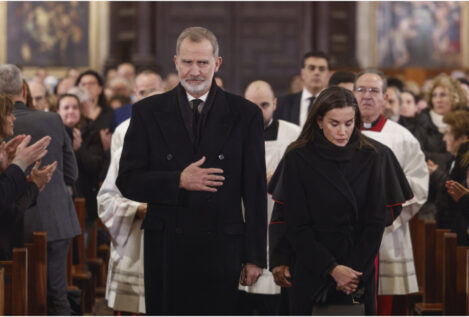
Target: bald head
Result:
[39, 96]
[148, 83]
[261, 93]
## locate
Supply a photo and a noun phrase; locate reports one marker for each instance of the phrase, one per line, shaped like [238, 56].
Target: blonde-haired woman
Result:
[444, 96]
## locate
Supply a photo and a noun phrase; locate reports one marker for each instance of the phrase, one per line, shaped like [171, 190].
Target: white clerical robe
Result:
[125, 287]
[274, 150]
[396, 261]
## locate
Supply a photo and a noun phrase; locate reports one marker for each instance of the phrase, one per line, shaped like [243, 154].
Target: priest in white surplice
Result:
[396, 262]
[123, 218]
[262, 298]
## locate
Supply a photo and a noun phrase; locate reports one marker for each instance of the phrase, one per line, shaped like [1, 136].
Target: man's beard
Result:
[196, 89]
[389, 114]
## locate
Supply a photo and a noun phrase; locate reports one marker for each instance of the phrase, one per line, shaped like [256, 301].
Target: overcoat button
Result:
[221, 157]
[169, 157]
[178, 230]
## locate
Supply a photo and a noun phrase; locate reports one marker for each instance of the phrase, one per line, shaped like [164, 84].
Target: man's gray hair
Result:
[11, 80]
[198, 34]
[372, 71]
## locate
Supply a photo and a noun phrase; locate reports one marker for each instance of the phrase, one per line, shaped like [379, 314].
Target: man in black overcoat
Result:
[196, 155]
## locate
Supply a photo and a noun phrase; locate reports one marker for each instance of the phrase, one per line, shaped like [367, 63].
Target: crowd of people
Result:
[219, 204]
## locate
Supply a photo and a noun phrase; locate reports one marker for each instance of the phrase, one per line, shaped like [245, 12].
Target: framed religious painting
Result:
[403, 34]
[52, 34]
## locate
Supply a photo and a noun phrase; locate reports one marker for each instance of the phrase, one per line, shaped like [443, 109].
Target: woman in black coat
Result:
[453, 211]
[18, 191]
[334, 207]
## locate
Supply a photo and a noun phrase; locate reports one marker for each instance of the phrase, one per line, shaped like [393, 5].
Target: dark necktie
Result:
[311, 101]
[196, 120]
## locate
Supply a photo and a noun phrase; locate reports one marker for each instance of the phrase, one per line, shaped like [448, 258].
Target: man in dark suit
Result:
[315, 74]
[196, 155]
[54, 211]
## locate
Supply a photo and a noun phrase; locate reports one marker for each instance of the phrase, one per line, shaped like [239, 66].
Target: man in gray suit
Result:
[54, 211]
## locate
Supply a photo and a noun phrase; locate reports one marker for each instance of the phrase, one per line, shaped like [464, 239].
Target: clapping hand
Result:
[432, 166]
[106, 137]
[456, 190]
[77, 140]
[8, 151]
[41, 177]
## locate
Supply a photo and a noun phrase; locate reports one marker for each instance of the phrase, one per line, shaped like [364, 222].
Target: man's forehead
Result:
[371, 80]
[260, 92]
[37, 89]
[316, 61]
[188, 46]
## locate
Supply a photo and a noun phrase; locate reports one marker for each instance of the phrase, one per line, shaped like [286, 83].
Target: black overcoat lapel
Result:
[218, 126]
[296, 105]
[169, 119]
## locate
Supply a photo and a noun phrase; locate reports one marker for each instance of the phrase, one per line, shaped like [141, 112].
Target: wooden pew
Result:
[2, 291]
[449, 274]
[81, 277]
[433, 289]
[96, 264]
[37, 279]
[72, 288]
[453, 279]
[16, 283]
[467, 282]
[104, 251]
[461, 276]
[417, 232]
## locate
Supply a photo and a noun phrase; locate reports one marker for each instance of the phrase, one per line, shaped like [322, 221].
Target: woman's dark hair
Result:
[6, 107]
[330, 98]
[29, 99]
[101, 98]
[62, 96]
[410, 93]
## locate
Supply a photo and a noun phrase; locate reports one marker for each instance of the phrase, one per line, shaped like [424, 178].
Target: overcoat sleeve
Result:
[12, 185]
[70, 166]
[280, 250]
[312, 253]
[27, 199]
[136, 180]
[254, 192]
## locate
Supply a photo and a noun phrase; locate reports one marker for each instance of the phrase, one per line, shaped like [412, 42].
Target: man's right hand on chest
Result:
[195, 178]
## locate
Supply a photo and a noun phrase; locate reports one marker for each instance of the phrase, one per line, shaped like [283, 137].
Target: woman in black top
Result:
[334, 206]
[93, 156]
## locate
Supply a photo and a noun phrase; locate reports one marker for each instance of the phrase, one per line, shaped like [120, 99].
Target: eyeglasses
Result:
[372, 90]
[39, 99]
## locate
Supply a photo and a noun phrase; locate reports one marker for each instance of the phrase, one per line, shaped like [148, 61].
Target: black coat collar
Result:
[333, 175]
[219, 122]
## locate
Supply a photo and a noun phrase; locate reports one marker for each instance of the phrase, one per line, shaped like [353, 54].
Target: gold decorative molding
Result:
[3, 32]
